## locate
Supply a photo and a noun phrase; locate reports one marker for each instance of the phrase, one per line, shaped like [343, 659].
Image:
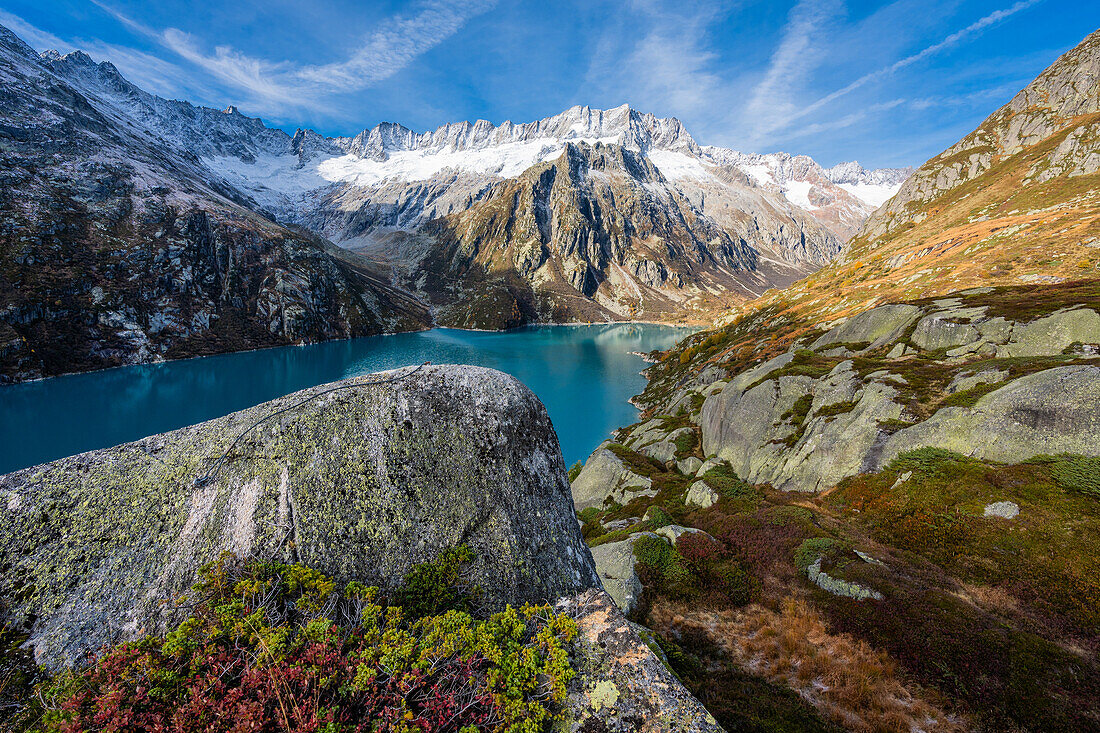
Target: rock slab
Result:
[359, 483]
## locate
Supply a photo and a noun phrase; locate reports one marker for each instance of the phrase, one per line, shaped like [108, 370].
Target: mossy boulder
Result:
[622, 685]
[1054, 334]
[605, 477]
[1048, 412]
[881, 325]
[361, 483]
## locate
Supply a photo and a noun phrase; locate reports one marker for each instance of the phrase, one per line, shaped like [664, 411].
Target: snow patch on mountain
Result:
[396, 168]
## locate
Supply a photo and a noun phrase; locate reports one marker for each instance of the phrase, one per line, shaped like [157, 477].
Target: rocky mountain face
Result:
[1014, 202]
[359, 484]
[408, 201]
[1062, 101]
[119, 249]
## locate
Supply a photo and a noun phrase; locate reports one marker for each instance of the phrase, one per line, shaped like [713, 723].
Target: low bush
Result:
[273, 647]
[574, 471]
[1077, 473]
[927, 461]
[814, 548]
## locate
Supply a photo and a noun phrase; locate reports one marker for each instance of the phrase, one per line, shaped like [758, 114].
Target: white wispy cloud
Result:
[282, 83]
[656, 56]
[947, 42]
[33, 36]
[852, 118]
[799, 52]
[387, 51]
[149, 72]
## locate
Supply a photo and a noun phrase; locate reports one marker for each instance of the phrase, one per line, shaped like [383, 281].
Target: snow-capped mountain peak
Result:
[285, 173]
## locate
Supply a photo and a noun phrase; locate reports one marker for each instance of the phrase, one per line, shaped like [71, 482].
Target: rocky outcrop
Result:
[615, 565]
[1063, 96]
[960, 373]
[359, 483]
[1053, 411]
[622, 685]
[605, 478]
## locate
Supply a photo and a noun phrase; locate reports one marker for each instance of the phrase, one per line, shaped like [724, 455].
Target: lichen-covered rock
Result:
[360, 484]
[615, 566]
[756, 432]
[664, 450]
[969, 381]
[673, 532]
[1054, 333]
[1002, 509]
[622, 685]
[700, 494]
[688, 466]
[943, 331]
[603, 477]
[1052, 411]
[876, 326]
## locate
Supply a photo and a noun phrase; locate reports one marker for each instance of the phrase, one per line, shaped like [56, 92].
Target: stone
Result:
[647, 432]
[746, 379]
[749, 431]
[964, 382]
[701, 495]
[937, 331]
[715, 388]
[877, 326]
[1053, 334]
[708, 465]
[622, 686]
[673, 532]
[1049, 412]
[839, 587]
[359, 484]
[605, 477]
[614, 563]
[688, 466]
[1002, 509]
[664, 450]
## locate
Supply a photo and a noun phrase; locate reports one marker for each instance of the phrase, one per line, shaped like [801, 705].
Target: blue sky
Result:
[884, 83]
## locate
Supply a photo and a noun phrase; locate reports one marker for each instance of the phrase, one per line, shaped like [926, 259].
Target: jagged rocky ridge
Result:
[118, 249]
[401, 198]
[1016, 201]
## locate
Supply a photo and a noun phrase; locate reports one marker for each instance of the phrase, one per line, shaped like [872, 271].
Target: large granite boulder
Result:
[359, 483]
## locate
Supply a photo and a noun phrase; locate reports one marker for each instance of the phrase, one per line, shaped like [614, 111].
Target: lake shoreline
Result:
[697, 326]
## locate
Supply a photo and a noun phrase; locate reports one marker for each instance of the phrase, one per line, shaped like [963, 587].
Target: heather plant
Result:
[274, 647]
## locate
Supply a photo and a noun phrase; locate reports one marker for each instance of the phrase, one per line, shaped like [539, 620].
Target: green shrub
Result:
[657, 517]
[1080, 474]
[574, 471]
[928, 461]
[838, 408]
[726, 482]
[685, 444]
[654, 553]
[787, 515]
[800, 409]
[813, 548]
[435, 587]
[264, 650]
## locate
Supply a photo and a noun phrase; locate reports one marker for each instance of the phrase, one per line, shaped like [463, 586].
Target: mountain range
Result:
[194, 230]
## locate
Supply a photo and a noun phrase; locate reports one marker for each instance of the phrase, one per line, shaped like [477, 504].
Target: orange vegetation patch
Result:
[853, 684]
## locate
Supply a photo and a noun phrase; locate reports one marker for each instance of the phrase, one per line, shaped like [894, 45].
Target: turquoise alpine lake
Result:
[585, 376]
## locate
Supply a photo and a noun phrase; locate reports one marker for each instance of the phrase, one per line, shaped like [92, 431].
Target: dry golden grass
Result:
[853, 684]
